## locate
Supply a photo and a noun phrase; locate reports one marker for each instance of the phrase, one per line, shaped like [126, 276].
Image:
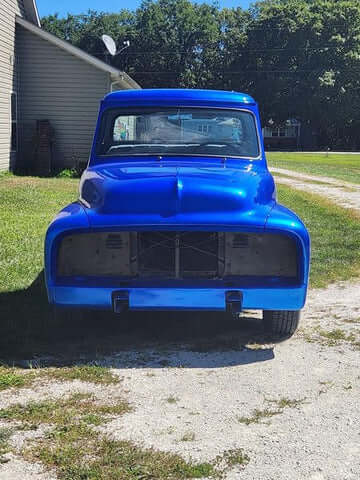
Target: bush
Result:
[69, 173]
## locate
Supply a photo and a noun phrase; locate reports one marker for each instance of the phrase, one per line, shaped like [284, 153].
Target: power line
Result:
[235, 72]
[250, 50]
[241, 50]
[306, 26]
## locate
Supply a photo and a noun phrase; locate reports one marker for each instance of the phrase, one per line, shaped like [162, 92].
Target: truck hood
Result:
[169, 193]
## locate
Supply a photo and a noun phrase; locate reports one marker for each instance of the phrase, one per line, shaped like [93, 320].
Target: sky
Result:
[48, 7]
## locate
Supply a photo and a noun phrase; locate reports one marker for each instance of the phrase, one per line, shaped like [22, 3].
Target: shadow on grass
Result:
[31, 334]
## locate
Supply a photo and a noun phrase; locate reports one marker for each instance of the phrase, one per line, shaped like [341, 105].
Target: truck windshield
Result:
[178, 131]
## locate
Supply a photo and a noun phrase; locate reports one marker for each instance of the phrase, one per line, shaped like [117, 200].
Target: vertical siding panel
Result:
[62, 88]
[8, 10]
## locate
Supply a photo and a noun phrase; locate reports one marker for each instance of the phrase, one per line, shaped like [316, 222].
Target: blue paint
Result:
[178, 193]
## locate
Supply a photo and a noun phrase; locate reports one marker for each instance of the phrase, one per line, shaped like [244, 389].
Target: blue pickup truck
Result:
[177, 211]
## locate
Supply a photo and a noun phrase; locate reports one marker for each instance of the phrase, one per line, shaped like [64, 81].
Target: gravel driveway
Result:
[345, 194]
[317, 438]
[197, 397]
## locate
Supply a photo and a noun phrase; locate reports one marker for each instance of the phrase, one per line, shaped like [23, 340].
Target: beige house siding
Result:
[57, 86]
[8, 78]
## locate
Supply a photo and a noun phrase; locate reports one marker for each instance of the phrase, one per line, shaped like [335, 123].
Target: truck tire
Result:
[282, 323]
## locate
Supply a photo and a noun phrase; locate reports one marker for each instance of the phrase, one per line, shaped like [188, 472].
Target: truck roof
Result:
[177, 97]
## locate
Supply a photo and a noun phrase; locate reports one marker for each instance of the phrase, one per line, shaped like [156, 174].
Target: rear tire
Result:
[282, 323]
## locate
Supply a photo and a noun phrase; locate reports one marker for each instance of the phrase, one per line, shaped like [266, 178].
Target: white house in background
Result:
[49, 92]
[286, 136]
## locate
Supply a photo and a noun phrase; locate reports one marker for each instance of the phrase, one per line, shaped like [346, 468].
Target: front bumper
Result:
[190, 295]
[283, 298]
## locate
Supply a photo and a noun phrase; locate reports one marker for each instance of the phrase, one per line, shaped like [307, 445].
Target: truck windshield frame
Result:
[178, 131]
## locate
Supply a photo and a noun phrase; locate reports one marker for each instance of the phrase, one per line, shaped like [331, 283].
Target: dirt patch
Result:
[332, 315]
[316, 178]
[291, 444]
[344, 194]
[16, 468]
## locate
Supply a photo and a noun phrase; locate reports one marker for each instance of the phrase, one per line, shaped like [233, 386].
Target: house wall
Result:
[61, 88]
[8, 78]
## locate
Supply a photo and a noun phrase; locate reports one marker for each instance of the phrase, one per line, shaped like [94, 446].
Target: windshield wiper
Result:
[215, 144]
[130, 145]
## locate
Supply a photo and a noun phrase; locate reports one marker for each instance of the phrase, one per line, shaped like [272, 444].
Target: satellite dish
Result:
[109, 44]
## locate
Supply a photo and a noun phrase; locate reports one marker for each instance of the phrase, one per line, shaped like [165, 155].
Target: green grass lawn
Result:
[335, 236]
[27, 205]
[343, 167]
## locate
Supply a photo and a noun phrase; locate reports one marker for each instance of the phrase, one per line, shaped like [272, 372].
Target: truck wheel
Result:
[282, 323]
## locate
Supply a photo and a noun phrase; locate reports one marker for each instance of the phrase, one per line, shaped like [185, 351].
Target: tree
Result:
[298, 58]
[174, 41]
[85, 30]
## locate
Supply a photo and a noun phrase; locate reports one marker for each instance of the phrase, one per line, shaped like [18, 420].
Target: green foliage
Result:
[258, 415]
[64, 411]
[183, 38]
[84, 373]
[12, 377]
[78, 452]
[285, 402]
[172, 399]
[9, 378]
[188, 437]
[68, 173]
[234, 457]
[299, 59]
[5, 434]
[334, 337]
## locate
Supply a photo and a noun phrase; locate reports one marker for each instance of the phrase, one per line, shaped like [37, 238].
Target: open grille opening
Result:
[178, 254]
[156, 252]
